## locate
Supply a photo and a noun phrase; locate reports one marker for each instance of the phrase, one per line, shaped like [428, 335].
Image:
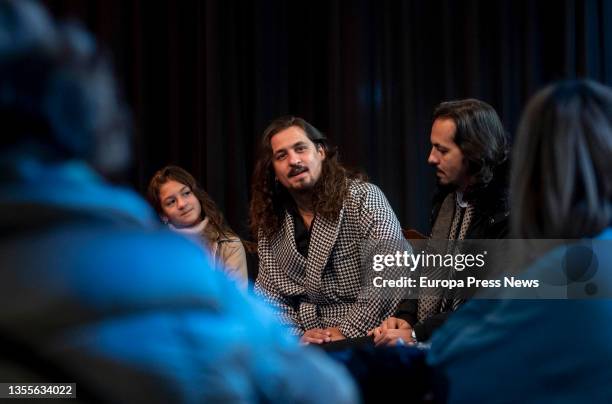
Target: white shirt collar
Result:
[195, 229]
[460, 201]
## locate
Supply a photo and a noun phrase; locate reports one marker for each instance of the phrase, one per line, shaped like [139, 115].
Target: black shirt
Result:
[302, 234]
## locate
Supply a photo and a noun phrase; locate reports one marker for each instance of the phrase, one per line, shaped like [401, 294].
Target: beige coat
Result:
[228, 253]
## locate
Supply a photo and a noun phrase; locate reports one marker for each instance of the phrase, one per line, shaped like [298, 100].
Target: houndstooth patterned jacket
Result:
[325, 289]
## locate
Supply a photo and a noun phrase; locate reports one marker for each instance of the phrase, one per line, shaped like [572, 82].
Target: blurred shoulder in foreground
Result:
[93, 291]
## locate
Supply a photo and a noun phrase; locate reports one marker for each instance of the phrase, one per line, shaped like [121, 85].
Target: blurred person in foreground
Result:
[513, 349]
[93, 292]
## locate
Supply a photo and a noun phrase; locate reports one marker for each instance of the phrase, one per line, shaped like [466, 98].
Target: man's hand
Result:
[316, 336]
[390, 323]
[390, 331]
[394, 323]
[391, 337]
[320, 336]
[335, 333]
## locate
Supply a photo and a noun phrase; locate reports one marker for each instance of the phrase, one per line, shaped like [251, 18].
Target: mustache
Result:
[297, 170]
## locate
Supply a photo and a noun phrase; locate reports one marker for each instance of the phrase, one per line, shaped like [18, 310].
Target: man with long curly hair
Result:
[313, 220]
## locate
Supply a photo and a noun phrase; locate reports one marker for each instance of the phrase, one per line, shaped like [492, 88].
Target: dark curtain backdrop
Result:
[203, 78]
